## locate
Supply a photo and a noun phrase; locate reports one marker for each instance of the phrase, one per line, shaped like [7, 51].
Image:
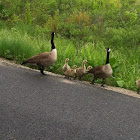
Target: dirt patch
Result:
[5, 62]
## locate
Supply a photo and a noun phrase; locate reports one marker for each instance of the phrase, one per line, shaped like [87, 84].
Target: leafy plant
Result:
[120, 83]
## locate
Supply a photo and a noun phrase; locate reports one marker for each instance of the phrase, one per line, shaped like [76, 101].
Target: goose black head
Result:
[108, 49]
[53, 33]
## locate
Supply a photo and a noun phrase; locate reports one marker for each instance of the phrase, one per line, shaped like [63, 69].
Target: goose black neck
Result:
[52, 43]
[107, 59]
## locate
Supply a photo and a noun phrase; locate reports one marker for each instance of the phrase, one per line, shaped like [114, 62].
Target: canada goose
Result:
[70, 72]
[81, 71]
[138, 84]
[102, 72]
[66, 66]
[44, 59]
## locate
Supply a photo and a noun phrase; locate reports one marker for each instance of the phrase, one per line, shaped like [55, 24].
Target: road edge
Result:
[131, 93]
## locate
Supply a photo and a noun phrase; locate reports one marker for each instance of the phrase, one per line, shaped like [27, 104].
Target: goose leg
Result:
[93, 81]
[75, 77]
[42, 70]
[103, 83]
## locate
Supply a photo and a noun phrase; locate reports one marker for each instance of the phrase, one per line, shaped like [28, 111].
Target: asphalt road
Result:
[35, 107]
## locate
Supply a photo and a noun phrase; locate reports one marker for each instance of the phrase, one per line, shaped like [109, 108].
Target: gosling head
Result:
[74, 67]
[89, 68]
[84, 61]
[67, 60]
[108, 49]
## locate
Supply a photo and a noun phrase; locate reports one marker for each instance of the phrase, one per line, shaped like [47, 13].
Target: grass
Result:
[17, 45]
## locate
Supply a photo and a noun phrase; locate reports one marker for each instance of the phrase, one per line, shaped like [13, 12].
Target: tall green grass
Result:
[17, 45]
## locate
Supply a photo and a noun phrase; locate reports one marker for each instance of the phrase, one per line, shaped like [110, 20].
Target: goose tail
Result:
[24, 62]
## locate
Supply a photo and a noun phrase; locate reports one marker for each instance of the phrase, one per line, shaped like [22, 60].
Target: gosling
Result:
[66, 66]
[88, 69]
[70, 72]
[80, 72]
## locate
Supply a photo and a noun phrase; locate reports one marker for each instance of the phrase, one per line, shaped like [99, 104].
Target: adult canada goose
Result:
[44, 59]
[70, 72]
[81, 71]
[102, 72]
[66, 66]
[138, 84]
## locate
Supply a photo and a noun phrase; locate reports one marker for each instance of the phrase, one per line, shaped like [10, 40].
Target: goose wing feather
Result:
[39, 57]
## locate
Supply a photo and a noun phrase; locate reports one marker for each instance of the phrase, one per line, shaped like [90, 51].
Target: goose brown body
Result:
[43, 59]
[101, 72]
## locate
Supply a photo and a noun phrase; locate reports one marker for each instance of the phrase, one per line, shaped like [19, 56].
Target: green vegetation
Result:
[83, 30]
